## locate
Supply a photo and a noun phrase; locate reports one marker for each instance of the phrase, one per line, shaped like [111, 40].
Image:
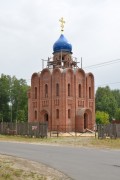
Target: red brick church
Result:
[62, 93]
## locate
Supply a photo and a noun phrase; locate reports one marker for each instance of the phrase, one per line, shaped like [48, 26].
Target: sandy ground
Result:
[30, 166]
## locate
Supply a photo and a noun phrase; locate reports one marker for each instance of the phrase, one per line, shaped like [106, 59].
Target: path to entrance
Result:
[78, 163]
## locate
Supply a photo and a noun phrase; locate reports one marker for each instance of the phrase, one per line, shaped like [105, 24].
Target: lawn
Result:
[68, 141]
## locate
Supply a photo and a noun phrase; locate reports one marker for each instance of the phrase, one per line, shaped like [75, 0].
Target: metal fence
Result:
[30, 129]
[109, 130]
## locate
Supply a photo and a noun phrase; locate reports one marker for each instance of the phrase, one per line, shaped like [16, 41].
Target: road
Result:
[77, 163]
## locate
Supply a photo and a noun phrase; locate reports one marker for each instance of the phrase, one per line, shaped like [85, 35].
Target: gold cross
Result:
[62, 24]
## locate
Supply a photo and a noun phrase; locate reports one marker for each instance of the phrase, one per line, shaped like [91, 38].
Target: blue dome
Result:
[62, 45]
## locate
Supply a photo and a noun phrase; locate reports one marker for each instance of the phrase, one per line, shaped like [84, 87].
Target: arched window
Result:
[46, 90]
[85, 120]
[68, 113]
[35, 92]
[68, 89]
[79, 90]
[57, 89]
[35, 115]
[57, 113]
[46, 117]
[90, 93]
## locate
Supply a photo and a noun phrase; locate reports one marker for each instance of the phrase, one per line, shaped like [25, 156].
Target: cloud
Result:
[28, 30]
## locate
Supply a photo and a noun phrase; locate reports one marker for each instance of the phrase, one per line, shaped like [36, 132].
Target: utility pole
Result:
[81, 62]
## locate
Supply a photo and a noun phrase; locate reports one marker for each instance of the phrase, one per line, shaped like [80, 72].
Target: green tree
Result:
[1, 117]
[117, 114]
[4, 96]
[102, 117]
[21, 116]
[106, 102]
[19, 97]
[116, 94]
[13, 97]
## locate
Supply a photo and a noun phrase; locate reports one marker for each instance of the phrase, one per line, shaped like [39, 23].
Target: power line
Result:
[100, 65]
[103, 64]
[109, 83]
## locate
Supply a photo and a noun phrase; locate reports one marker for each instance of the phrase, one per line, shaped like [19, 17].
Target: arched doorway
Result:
[85, 121]
[44, 116]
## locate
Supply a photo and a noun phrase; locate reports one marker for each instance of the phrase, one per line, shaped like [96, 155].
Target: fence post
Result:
[2, 125]
[16, 126]
[95, 130]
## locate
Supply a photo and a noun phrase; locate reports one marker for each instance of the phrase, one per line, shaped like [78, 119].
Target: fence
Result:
[110, 130]
[31, 129]
[38, 129]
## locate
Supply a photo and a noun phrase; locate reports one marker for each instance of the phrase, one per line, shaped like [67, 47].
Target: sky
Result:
[29, 28]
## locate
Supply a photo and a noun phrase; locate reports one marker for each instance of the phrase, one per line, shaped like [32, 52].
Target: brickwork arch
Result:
[56, 82]
[90, 85]
[69, 81]
[44, 116]
[80, 83]
[45, 71]
[45, 81]
[35, 85]
[83, 119]
[34, 75]
[56, 73]
[34, 78]
[79, 71]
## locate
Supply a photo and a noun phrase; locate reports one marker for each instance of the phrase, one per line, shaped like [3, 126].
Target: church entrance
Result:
[84, 120]
[44, 116]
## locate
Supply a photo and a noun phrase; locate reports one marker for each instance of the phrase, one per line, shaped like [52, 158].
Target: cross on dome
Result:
[62, 24]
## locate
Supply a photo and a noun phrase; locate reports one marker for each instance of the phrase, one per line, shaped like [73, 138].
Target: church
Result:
[62, 94]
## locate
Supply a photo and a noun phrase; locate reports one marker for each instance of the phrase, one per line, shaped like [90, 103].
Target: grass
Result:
[8, 172]
[107, 143]
[68, 141]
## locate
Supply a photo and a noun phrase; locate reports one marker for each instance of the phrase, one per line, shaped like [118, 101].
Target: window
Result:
[57, 89]
[89, 92]
[68, 89]
[46, 90]
[35, 115]
[46, 117]
[79, 90]
[57, 113]
[35, 92]
[68, 113]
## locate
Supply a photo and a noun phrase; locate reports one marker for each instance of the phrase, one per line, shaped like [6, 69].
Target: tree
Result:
[19, 96]
[13, 97]
[4, 96]
[1, 117]
[102, 117]
[105, 101]
[117, 114]
[21, 116]
[116, 94]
